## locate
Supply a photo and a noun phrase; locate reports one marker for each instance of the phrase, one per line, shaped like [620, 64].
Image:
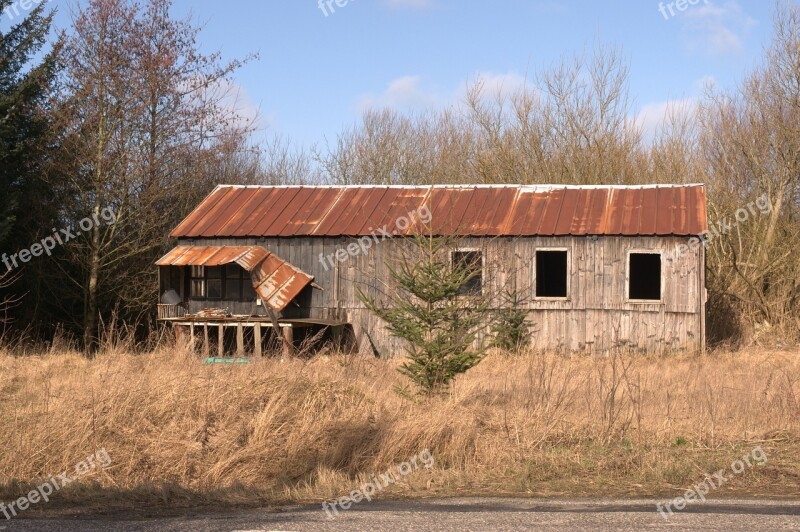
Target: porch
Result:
[246, 335]
[230, 299]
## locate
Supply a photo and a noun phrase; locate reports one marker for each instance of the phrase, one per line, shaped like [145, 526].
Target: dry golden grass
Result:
[183, 433]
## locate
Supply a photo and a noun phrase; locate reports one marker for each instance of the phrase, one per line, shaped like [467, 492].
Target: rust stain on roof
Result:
[276, 281]
[466, 210]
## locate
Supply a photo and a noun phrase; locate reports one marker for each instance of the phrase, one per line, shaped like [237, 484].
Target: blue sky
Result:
[317, 73]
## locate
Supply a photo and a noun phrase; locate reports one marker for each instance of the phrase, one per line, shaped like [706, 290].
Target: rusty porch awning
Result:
[276, 281]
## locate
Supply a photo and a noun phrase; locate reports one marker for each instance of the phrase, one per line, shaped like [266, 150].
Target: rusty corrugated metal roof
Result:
[467, 210]
[276, 281]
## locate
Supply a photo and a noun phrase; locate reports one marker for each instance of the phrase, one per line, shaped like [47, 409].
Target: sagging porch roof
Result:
[276, 281]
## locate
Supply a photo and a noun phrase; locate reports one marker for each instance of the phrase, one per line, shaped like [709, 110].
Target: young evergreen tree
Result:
[438, 308]
[512, 332]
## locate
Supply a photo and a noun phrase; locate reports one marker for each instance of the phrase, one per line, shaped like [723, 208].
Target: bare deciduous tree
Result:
[751, 146]
[146, 126]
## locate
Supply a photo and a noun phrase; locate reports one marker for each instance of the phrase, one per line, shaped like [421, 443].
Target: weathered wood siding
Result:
[595, 315]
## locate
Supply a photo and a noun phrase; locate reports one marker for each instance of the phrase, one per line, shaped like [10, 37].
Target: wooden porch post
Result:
[337, 333]
[205, 339]
[239, 339]
[257, 339]
[281, 335]
[288, 341]
[220, 340]
[180, 335]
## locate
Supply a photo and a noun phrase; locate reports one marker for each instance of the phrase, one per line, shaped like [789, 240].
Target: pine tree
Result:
[432, 313]
[512, 332]
[24, 88]
[26, 201]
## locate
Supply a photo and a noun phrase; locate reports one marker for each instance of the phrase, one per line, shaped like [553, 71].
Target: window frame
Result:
[204, 285]
[569, 276]
[223, 279]
[483, 268]
[220, 279]
[662, 284]
[240, 280]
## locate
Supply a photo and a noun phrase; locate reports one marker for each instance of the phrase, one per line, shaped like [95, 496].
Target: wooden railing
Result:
[166, 312]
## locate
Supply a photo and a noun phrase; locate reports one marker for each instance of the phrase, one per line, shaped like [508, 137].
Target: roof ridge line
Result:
[542, 186]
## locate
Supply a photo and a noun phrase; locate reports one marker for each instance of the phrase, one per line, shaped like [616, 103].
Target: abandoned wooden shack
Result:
[600, 267]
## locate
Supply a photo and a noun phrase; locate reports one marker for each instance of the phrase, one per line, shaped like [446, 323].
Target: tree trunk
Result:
[90, 326]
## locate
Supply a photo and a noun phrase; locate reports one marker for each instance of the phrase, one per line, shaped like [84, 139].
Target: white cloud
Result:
[411, 93]
[706, 82]
[403, 93]
[653, 117]
[238, 100]
[234, 100]
[494, 85]
[716, 29]
[231, 98]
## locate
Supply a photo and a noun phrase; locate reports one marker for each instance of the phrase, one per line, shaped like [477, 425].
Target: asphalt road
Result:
[477, 514]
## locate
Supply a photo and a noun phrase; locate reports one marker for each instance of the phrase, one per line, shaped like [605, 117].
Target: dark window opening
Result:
[248, 292]
[170, 279]
[551, 274]
[197, 282]
[471, 264]
[231, 283]
[214, 282]
[644, 277]
[239, 284]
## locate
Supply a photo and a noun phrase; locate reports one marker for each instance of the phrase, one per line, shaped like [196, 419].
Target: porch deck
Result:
[187, 327]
